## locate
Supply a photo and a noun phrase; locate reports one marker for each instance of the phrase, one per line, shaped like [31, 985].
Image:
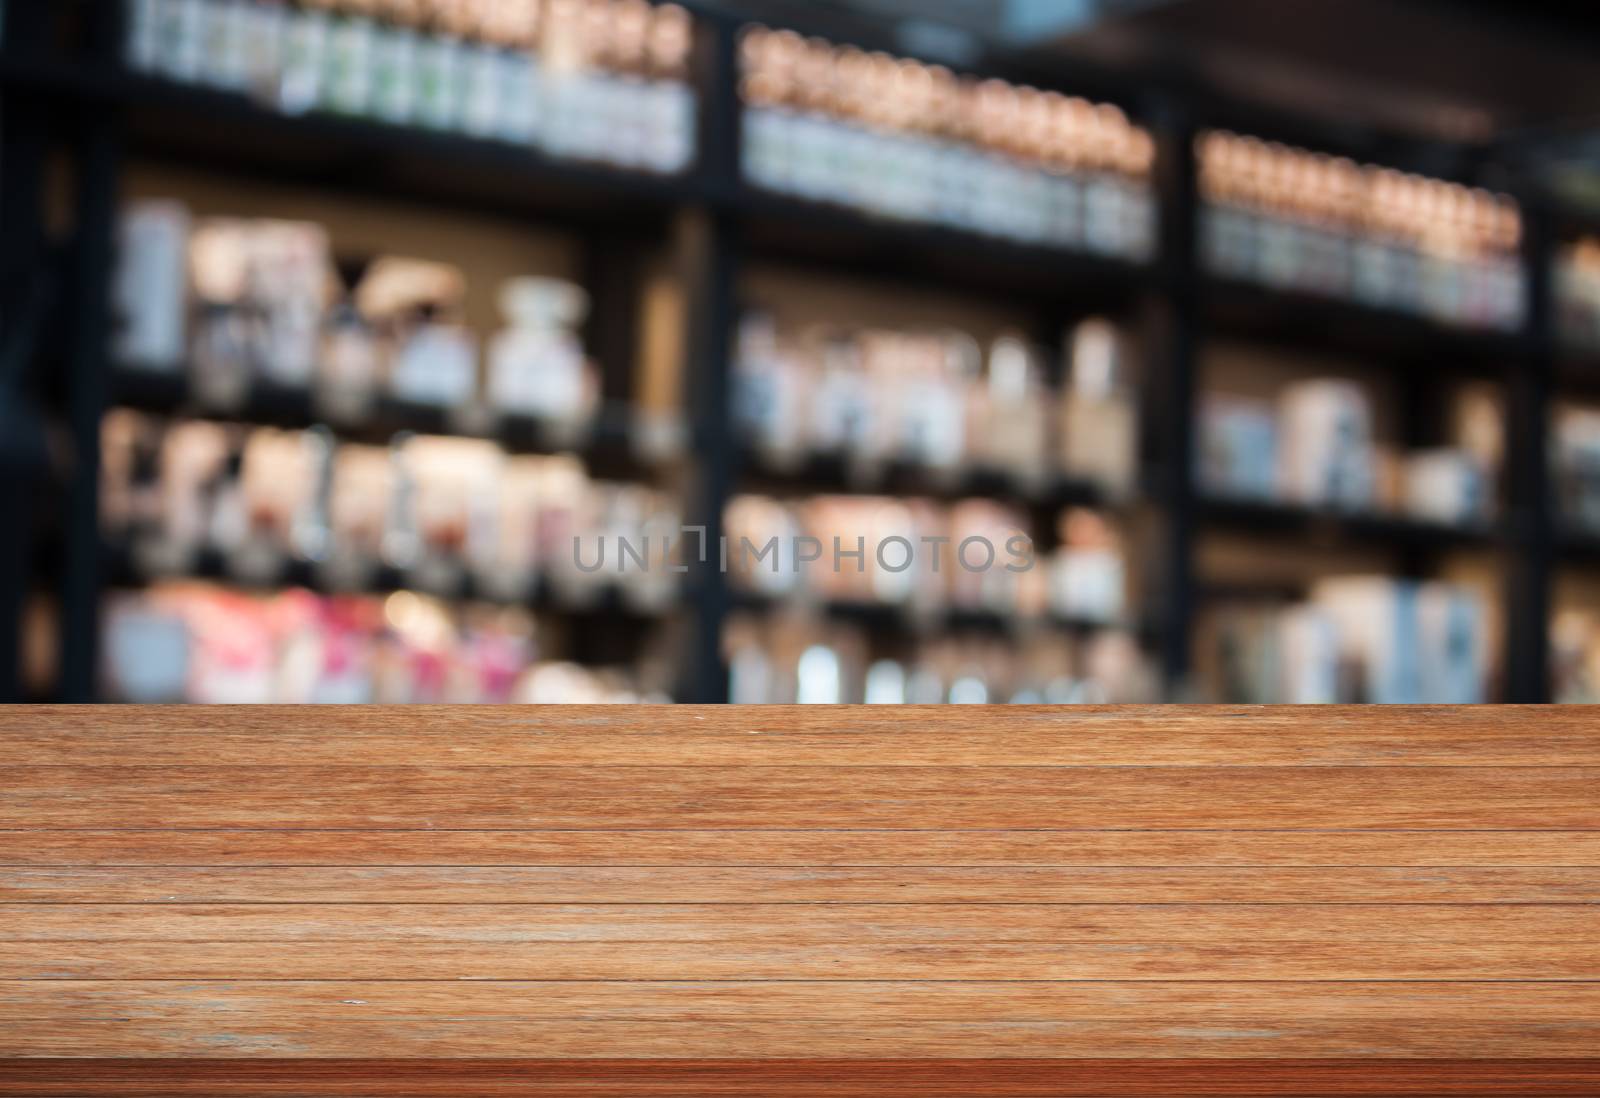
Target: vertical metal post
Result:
[708, 249]
[25, 125]
[1530, 519]
[611, 275]
[1171, 327]
[97, 147]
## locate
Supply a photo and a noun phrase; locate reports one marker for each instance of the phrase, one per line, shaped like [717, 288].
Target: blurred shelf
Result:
[1577, 370]
[797, 231]
[889, 618]
[1315, 323]
[227, 130]
[607, 446]
[1322, 526]
[833, 474]
[230, 131]
[1263, 591]
[1579, 545]
[607, 604]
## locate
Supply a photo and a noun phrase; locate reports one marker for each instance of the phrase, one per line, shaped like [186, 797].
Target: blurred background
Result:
[327, 325]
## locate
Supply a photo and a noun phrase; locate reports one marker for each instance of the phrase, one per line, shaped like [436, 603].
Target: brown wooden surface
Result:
[777, 901]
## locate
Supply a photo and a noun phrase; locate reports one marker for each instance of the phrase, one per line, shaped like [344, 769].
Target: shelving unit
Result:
[78, 102]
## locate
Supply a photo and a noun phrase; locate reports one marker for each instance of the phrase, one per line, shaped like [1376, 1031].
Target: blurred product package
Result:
[1358, 639]
[1327, 445]
[1238, 447]
[1575, 656]
[595, 80]
[1577, 293]
[1575, 458]
[1316, 447]
[150, 287]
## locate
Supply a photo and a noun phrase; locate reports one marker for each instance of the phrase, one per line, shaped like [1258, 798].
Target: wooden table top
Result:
[784, 901]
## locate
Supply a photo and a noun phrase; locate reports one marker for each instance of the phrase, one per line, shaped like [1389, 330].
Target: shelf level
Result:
[792, 230]
[1313, 323]
[1332, 527]
[608, 447]
[230, 131]
[832, 474]
[888, 618]
[607, 604]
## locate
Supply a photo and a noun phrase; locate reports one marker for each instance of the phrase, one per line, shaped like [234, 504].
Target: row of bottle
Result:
[599, 80]
[800, 658]
[938, 401]
[1299, 220]
[247, 301]
[439, 514]
[1357, 639]
[1316, 446]
[927, 558]
[207, 644]
[898, 138]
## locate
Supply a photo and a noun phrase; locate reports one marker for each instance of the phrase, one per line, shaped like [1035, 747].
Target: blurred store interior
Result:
[327, 326]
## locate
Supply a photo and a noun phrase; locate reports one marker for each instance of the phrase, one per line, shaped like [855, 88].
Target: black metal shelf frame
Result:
[713, 223]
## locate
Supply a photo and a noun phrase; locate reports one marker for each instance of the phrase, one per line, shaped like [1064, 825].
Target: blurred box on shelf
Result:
[1238, 447]
[1327, 446]
[1575, 455]
[1575, 656]
[1315, 447]
[1577, 293]
[1358, 639]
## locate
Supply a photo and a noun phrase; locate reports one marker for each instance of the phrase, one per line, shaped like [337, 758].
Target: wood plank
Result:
[803, 848]
[801, 1019]
[877, 1078]
[801, 924]
[802, 735]
[745, 885]
[697, 797]
[293, 958]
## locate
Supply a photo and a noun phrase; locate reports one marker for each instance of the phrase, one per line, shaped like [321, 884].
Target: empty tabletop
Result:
[789, 901]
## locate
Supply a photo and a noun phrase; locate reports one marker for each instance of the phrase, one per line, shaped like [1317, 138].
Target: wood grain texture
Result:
[700, 796]
[787, 901]
[797, 885]
[290, 958]
[944, 1078]
[801, 848]
[1169, 735]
